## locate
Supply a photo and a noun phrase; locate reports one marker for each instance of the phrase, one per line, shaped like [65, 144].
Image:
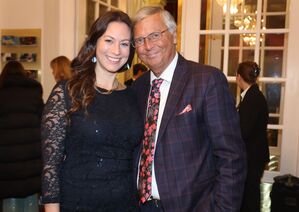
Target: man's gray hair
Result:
[150, 10]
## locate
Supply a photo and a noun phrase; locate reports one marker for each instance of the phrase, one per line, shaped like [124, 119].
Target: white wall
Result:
[21, 14]
[50, 40]
[290, 144]
[1, 12]
[58, 36]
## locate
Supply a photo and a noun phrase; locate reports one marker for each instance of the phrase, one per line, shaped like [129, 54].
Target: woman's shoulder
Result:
[254, 94]
[60, 86]
[21, 81]
[61, 83]
[59, 91]
[130, 91]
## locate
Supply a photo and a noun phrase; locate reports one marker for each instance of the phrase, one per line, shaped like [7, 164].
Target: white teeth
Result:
[114, 59]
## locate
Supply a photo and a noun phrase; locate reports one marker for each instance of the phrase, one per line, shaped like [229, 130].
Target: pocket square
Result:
[187, 109]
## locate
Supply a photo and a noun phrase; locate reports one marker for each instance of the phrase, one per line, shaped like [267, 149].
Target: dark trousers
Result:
[252, 195]
[151, 206]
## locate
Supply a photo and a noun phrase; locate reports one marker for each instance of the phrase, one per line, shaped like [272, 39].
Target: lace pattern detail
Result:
[54, 122]
[97, 172]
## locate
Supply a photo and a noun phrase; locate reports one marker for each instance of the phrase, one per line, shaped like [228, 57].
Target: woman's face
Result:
[113, 47]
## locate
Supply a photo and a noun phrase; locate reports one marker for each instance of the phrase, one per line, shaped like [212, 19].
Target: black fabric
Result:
[90, 168]
[129, 82]
[285, 194]
[152, 206]
[21, 105]
[254, 115]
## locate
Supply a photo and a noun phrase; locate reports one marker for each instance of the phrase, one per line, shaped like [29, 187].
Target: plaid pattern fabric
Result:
[200, 158]
[145, 174]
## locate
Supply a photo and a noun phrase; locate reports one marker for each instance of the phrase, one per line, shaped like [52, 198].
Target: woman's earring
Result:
[94, 59]
[128, 66]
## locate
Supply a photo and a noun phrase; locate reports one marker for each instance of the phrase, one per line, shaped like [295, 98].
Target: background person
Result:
[196, 157]
[21, 106]
[254, 115]
[91, 126]
[138, 70]
[61, 68]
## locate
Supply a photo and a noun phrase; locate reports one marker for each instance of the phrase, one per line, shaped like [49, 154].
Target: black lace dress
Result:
[88, 159]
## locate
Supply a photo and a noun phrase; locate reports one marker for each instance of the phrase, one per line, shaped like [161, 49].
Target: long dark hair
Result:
[81, 84]
[12, 68]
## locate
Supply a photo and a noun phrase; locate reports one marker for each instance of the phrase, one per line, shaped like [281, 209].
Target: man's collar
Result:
[167, 74]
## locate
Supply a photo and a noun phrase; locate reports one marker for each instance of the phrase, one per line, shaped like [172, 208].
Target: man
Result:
[138, 70]
[192, 157]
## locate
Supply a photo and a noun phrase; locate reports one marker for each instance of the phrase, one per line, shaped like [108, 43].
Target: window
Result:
[254, 30]
[95, 8]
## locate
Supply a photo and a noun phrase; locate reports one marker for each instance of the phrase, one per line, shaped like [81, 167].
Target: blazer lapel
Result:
[178, 83]
[143, 97]
[142, 92]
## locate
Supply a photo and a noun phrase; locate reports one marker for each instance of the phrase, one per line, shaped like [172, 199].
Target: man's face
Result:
[157, 54]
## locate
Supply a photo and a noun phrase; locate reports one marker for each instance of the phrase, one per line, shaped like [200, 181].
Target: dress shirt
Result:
[166, 75]
[244, 93]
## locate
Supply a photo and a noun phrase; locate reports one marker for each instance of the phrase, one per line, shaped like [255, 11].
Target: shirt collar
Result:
[244, 92]
[167, 74]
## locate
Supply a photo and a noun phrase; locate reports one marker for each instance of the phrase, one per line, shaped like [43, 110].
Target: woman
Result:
[91, 126]
[61, 68]
[21, 106]
[253, 111]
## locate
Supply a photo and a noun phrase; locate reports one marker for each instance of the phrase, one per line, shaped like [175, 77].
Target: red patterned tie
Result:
[146, 160]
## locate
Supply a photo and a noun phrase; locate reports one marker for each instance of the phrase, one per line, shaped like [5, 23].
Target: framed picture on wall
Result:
[23, 45]
[28, 40]
[5, 57]
[9, 40]
[28, 57]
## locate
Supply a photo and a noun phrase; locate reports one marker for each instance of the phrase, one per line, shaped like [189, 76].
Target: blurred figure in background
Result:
[138, 70]
[61, 68]
[254, 115]
[21, 106]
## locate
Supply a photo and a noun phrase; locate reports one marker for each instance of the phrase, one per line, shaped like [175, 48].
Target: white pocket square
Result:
[187, 109]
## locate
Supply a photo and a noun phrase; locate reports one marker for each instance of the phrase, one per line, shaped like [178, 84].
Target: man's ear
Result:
[174, 37]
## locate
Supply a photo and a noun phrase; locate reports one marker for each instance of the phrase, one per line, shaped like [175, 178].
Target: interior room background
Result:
[265, 31]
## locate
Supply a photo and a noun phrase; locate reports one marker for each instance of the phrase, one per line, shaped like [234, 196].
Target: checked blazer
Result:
[200, 156]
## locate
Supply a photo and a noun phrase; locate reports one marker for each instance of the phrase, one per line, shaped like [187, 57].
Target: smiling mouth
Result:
[113, 59]
[152, 55]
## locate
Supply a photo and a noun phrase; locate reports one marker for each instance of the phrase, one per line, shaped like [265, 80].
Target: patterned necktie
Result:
[146, 160]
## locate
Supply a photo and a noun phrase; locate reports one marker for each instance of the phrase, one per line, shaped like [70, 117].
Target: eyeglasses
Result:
[153, 37]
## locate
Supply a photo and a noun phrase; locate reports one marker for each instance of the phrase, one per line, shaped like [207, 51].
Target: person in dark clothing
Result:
[21, 106]
[138, 70]
[91, 126]
[254, 115]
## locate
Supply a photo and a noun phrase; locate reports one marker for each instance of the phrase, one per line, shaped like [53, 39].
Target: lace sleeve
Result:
[54, 123]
